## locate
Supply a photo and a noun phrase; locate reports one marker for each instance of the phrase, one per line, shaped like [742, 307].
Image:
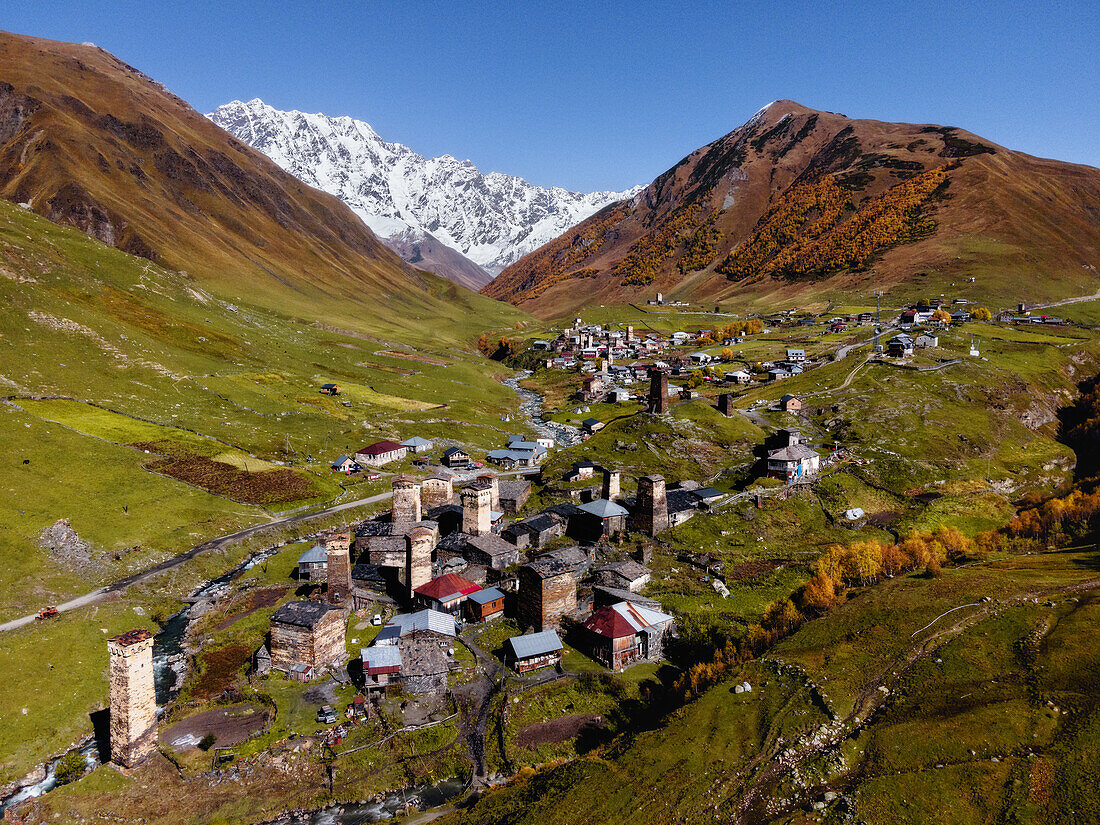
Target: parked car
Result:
[376, 620]
[374, 475]
[326, 715]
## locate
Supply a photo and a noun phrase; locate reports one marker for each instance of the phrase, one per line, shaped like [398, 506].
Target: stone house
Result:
[417, 444]
[623, 574]
[381, 453]
[313, 564]
[307, 633]
[514, 493]
[436, 490]
[793, 463]
[535, 532]
[547, 591]
[424, 663]
[603, 518]
[790, 403]
[381, 665]
[491, 551]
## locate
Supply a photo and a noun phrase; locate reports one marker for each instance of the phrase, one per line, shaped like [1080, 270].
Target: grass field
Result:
[967, 715]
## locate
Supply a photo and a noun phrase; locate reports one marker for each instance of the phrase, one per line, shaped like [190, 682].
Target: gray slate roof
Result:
[302, 614]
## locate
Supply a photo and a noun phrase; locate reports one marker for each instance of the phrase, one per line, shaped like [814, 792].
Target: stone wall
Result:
[320, 646]
[435, 492]
[543, 600]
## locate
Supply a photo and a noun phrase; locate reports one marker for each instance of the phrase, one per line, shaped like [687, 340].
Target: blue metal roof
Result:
[486, 596]
[534, 644]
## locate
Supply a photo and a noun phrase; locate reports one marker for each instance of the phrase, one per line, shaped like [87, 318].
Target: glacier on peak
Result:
[491, 218]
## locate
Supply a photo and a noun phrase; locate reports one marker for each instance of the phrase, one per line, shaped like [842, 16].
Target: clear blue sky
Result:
[593, 95]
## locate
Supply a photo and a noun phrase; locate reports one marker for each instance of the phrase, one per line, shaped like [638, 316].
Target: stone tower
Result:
[477, 500]
[406, 503]
[651, 515]
[339, 567]
[494, 485]
[658, 393]
[436, 491]
[630, 335]
[725, 404]
[133, 697]
[419, 543]
[612, 484]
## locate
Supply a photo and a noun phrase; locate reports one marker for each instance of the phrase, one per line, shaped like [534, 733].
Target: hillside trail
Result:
[1078, 300]
[474, 702]
[870, 698]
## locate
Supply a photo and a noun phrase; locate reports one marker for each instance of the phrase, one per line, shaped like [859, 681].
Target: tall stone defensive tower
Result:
[658, 393]
[494, 486]
[725, 404]
[651, 515]
[133, 697]
[339, 567]
[477, 500]
[612, 484]
[406, 503]
[419, 543]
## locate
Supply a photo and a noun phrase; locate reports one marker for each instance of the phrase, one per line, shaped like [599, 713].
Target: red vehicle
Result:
[46, 613]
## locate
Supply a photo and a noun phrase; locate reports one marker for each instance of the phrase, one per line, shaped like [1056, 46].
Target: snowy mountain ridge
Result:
[492, 219]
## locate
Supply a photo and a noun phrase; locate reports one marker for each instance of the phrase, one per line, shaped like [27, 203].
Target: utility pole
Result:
[878, 307]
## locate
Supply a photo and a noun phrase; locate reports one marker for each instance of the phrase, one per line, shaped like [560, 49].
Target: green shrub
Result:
[69, 768]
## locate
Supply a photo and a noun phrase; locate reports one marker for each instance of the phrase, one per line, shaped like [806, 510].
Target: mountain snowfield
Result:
[492, 219]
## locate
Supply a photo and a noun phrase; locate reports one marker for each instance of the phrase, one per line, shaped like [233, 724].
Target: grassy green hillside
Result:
[126, 353]
[988, 715]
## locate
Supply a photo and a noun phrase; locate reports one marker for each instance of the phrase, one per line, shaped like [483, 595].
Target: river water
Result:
[530, 405]
[170, 663]
[419, 797]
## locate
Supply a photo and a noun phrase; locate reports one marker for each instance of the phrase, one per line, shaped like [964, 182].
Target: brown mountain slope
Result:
[798, 201]
[89, 141]
[425, 251]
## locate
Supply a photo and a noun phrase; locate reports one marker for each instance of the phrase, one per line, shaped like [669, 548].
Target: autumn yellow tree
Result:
[727, 354]
[982, 314]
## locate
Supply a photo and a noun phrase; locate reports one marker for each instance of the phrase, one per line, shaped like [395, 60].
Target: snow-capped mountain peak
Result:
[493, 219]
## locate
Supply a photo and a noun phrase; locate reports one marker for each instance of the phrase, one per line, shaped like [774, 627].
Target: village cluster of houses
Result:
[452, 558]
[517, 452]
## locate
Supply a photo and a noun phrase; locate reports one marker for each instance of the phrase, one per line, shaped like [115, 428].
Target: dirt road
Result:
[175, 561]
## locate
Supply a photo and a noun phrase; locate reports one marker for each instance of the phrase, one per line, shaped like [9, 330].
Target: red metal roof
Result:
[607, 622]
[380, 448]
[449, 584]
